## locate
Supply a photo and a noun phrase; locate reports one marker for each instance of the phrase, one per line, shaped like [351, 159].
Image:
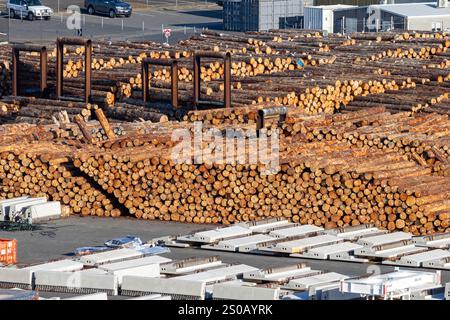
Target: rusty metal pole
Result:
[43, 62]
[145, 81]
[196, 80]
[88, 70]
[15, 78]
[59, 68]
[174, 80]
[227, 80]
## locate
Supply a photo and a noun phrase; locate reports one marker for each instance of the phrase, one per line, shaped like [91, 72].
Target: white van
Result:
[30, 9]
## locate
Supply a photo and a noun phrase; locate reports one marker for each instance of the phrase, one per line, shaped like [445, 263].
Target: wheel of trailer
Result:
[112, 14]
[128, 15]
[30, 16]
[91, 10]
[47, 18]
[12, 14]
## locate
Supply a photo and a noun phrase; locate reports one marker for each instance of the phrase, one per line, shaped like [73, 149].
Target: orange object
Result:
[8, 251]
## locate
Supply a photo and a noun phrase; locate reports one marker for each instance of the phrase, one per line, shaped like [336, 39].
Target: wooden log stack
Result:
[366, 140]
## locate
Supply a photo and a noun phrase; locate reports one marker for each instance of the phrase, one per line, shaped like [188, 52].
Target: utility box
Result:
[8, 251]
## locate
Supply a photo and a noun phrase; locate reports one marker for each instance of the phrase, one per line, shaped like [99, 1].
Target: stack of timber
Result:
[366, 139]
[331, 182]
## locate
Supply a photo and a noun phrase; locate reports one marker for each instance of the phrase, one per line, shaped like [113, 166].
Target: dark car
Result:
[112, 8]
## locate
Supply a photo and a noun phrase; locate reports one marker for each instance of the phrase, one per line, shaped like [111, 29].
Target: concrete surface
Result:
[57, 239]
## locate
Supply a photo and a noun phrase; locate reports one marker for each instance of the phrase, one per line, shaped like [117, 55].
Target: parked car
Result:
[112, 8]
[30, 9]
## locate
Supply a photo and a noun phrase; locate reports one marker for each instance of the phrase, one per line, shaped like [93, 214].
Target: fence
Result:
[95, 27]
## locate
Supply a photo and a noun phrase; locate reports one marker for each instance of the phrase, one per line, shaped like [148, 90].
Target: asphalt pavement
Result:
[146, 23]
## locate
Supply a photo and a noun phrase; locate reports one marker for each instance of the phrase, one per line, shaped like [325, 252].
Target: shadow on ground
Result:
[217, 14]
[206, 25]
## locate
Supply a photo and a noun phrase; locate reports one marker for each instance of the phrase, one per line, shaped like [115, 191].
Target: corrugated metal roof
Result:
[334, 6]
[428, 9]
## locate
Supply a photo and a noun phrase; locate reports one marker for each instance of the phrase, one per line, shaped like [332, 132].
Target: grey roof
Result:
[428, 9]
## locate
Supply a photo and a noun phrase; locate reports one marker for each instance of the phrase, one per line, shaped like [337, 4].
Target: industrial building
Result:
[262, 15]
[341, 18]
[334, 16]
[429, 16]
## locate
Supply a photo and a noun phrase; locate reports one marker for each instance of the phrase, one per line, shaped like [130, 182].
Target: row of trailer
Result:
[159, 278]
[361, 243]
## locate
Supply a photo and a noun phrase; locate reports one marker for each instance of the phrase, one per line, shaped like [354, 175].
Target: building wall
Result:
[392, 21]
[363, 2]
[262, 15]
[354, 20]
[428, 23]
[314, 18]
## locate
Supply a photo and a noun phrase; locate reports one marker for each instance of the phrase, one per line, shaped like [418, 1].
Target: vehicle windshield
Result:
[33, 3]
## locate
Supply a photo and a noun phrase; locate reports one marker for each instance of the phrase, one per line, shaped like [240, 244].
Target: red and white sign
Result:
[167, 32]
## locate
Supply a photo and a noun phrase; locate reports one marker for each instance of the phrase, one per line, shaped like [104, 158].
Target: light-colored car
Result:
[30, 9]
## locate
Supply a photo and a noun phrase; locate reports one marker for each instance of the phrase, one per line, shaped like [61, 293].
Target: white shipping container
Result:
[42, 211]
[6, 204]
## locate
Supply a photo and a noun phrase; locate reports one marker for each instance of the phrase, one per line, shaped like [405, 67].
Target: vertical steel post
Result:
[145, 81]
[59, 67]
[88, 70]
[174, 80]
[196, 80]
[43, 62]
[15, 78]
[227, 80]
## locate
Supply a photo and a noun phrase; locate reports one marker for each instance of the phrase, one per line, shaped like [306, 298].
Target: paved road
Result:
[144, 24]
[59, 238]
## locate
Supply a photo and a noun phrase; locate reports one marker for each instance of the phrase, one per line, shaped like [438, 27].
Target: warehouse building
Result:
[430, 16]
[262, 15]
[334, 16]
[363, 2]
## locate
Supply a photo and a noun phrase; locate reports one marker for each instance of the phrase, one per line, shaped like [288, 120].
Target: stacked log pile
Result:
[271, 67]
[366, 139]
[42, 111]
[422, 138]
[326, 183]
[31, 163]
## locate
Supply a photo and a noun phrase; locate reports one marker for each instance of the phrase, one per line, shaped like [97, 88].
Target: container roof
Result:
[427, 9]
